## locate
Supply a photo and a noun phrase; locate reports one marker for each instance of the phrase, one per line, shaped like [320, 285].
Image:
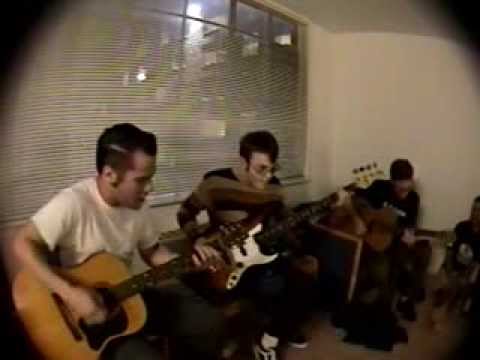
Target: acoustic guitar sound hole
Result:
[116, 323]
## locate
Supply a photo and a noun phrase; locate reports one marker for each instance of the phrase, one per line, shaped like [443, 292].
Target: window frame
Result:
[299, 39]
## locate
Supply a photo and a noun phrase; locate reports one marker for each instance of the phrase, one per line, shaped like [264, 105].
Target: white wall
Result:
[320, 130]
[415, 97]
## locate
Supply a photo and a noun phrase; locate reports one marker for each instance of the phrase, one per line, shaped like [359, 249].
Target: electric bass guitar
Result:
[258, 243]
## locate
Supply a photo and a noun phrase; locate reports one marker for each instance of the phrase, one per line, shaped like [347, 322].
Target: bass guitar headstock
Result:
[365, 175]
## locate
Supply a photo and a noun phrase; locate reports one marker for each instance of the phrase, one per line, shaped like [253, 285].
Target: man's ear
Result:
[244, 163]
[111, 175]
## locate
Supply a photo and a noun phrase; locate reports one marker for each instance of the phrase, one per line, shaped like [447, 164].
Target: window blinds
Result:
[199, 86]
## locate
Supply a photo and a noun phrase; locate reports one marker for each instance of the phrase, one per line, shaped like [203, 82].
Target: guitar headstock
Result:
[365, 175]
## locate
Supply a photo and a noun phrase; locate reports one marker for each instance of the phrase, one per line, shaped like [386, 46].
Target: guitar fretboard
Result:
[295, 219]
[152, 277]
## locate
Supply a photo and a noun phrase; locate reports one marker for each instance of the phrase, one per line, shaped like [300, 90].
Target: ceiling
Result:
[418, 17]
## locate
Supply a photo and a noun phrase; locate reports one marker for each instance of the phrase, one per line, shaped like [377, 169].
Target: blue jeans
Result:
[193, 325]
[286, 301]
[131, 347]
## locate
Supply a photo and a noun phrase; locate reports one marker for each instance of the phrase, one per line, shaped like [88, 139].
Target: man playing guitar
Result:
[404, 263]
[108, 213]
[232, 194]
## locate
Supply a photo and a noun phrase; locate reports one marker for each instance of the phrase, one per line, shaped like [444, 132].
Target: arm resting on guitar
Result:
[187, 216]
[29, 247]
[353, 206]
[157, 255]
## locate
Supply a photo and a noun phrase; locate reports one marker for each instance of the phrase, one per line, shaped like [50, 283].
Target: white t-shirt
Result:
[79, 223]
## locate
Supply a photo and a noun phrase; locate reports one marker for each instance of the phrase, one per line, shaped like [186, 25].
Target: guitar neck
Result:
[429, 233]
[314, 209]
[152, 277]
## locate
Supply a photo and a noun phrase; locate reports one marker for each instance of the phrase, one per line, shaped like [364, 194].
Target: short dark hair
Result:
[401, 169]
[477, 199]
[116, 143]
[259, 141]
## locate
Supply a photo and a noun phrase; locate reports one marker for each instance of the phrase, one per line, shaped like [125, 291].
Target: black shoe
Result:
[406, 308]
[298, 341]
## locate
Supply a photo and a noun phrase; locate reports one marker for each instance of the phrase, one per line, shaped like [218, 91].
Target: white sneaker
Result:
[266, 349]
[264, 354]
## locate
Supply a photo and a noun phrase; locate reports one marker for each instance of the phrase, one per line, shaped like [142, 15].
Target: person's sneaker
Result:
[406, 308]
[261, 353]
[266, 348]
[298, 341]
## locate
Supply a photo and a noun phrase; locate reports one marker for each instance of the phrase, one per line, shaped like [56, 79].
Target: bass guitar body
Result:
[239, 258]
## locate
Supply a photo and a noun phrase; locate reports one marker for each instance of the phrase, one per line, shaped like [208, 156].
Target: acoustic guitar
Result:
[381, 224]
[58, 333]
[382, 228]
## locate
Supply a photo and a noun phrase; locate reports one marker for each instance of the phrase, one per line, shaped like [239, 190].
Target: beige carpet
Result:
[423, 344]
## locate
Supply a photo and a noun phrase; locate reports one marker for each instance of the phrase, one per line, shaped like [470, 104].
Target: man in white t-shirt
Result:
[108, 214]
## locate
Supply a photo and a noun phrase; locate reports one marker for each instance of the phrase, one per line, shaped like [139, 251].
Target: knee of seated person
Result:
[216, 322]
[307, 266]
[202, 322]
[381, 274]
[132, 347]
[272, 290]
[206, 336]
